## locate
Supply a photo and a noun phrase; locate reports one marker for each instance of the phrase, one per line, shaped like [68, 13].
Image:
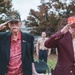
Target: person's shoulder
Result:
[39, 39]
[28, 35]
[4, 33]
[46, 38]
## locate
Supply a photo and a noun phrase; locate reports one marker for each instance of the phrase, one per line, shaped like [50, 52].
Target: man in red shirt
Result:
[16, 50]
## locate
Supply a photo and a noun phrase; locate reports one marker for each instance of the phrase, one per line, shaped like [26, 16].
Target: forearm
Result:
[33, 69]
[49, 51]
[37, 49]
[51, 42]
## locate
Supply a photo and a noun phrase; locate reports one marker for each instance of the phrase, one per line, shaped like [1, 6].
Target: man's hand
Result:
[66, 28]
[3, 25]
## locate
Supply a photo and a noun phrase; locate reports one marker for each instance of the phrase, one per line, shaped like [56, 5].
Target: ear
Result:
[9, 25]
[20, 23]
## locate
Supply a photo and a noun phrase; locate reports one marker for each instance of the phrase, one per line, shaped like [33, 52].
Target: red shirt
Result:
[15, 63]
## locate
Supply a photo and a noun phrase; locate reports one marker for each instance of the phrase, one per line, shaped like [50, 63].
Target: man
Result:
[64, 41]
[16, 50]
[41, 50]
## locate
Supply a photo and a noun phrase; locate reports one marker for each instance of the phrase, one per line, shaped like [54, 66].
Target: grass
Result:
[52, 59]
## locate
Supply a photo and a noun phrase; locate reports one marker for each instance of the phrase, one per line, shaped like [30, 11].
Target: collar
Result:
[18, 37]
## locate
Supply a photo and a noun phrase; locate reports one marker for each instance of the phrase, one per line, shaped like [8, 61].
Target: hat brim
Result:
[14, 20]
[71, 19]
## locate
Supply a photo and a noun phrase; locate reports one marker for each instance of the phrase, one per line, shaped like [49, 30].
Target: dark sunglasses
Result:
[14, 22]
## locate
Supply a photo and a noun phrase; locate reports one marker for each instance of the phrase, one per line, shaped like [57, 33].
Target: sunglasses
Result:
[14, 22]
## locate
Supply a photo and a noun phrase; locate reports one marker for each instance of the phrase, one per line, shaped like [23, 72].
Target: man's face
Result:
[14, 26]
[43, 34]
[72, 29]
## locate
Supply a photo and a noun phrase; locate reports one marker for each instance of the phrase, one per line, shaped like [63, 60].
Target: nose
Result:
[13, 24]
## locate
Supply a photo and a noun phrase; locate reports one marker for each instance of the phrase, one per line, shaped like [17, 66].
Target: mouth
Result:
[14, 27]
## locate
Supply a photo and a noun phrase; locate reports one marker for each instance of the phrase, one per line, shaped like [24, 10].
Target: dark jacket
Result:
[65, 63]
[27, 52]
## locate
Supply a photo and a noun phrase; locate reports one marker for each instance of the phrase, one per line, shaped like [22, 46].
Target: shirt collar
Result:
[18, 37]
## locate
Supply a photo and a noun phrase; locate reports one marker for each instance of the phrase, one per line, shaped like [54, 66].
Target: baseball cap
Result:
[14, 18]
[71, 19]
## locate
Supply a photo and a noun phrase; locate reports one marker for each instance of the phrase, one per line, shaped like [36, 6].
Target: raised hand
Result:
[66, 28]
[3, 25]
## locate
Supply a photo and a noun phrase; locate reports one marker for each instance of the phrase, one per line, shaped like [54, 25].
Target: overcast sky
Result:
[24, 6]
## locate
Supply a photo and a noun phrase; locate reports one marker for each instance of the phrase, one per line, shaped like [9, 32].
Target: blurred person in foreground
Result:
[64, 41]
[41, 50]
[16, 50]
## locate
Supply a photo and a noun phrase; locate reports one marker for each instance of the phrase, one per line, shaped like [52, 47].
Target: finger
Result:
[71, 23]
[68, 26]
[5, 23]
[3, 27]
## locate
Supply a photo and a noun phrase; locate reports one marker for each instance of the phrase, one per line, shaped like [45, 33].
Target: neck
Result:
[15, 33]
[43, 37]
[15, 36]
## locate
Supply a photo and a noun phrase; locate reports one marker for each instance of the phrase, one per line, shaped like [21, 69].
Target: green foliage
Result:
[5, 6]
[6, 11]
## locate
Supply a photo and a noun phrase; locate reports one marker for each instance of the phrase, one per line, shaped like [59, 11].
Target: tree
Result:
[41, 20]
[6, 11]
[5, 7]
[49, 16]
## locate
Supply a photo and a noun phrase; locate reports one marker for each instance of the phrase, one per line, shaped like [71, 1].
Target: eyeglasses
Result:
[14, 22]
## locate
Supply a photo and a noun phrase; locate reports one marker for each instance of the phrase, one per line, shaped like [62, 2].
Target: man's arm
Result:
[3, 25]
[49, 51]
[37, 47]
[52, 41]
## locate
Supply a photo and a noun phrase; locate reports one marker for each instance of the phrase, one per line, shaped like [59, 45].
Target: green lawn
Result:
[52, 59]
